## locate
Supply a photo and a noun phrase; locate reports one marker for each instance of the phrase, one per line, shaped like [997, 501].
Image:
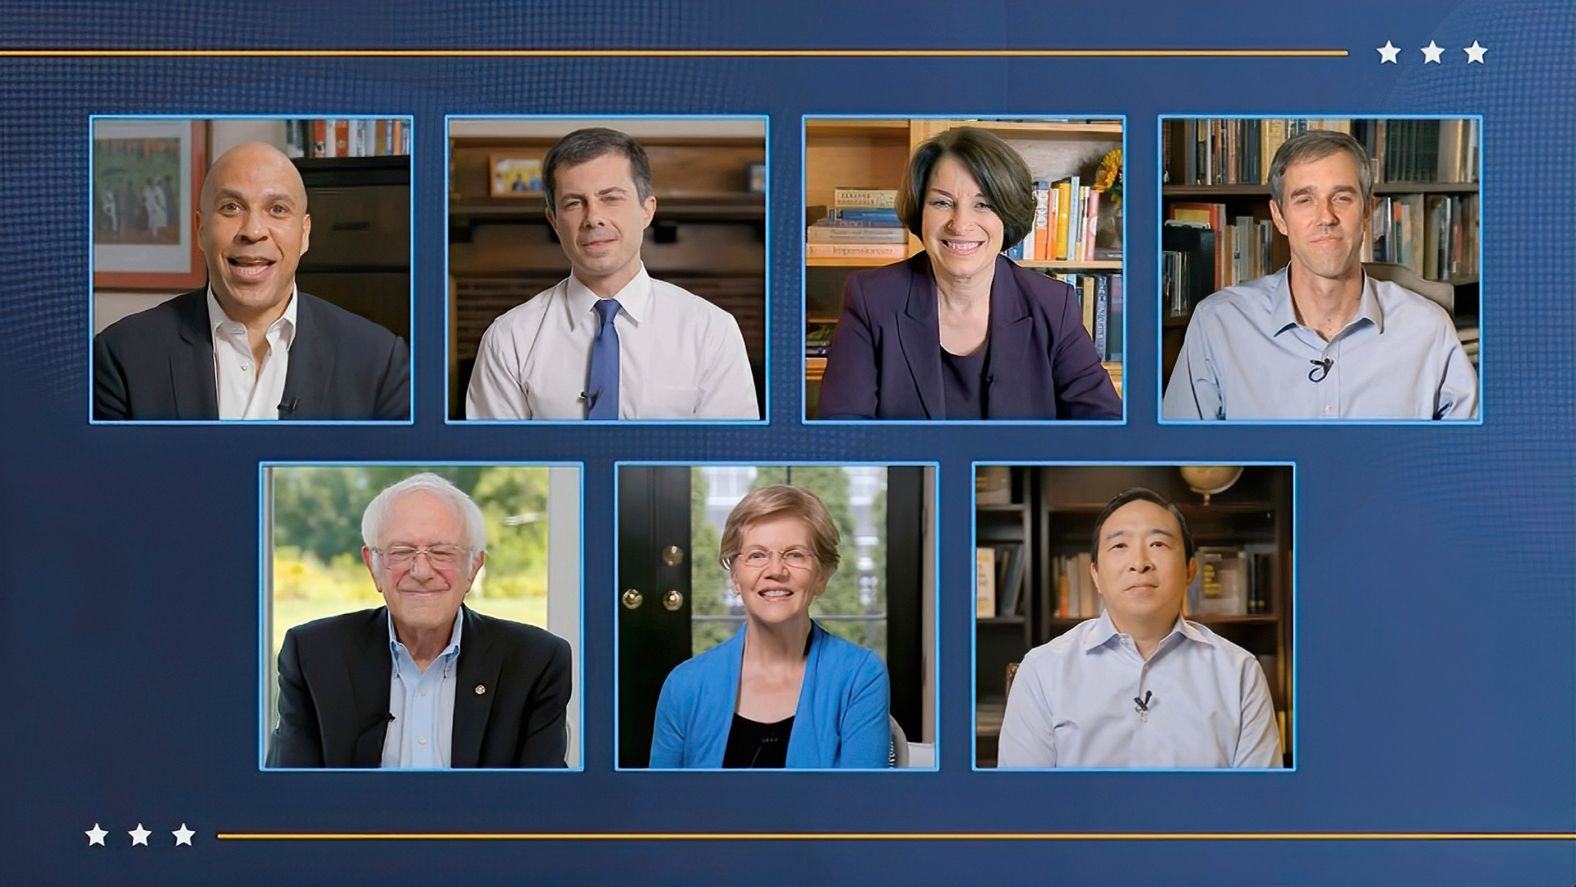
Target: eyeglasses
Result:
[438, 556]
[758, 558]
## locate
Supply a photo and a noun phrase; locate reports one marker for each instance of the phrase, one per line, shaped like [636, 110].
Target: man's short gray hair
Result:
[1317, 144]
[466, 510]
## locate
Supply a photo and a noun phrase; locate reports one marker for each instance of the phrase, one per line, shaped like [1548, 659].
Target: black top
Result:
[757, 745]
[963, 379]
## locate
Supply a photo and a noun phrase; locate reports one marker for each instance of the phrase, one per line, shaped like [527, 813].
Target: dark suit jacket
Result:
[158, 364]
[334, 694]
[885, 359]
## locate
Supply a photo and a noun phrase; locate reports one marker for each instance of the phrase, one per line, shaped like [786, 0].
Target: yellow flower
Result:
[1109, 176]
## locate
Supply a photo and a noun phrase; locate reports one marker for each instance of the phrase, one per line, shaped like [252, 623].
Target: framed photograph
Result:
[146, 175]
[515, 176]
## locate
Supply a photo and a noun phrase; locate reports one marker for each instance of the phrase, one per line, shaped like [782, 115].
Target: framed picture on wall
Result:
[515, 176]
[146, 175]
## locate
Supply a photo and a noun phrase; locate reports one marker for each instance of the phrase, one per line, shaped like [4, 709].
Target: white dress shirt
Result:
[680, 357]
[1072, 703]
[246, 389]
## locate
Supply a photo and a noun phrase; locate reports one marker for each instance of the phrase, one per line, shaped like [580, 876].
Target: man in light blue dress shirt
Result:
[1140, 687]
[1320, 339]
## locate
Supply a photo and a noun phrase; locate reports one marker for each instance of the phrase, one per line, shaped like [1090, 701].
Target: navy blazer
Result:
[885, 358]
[511, 691]
[158, 364]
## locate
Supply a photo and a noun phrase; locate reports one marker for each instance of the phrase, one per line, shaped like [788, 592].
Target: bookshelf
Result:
[360, 205]
[1052, 510]
[708, 234]
[1216, 172]
[872, 153]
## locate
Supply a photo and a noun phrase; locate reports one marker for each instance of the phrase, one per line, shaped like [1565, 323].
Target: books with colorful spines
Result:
[855, 215]
[322, 140]
[819, 233]
[342, 138]
[864, 198]
[1075, 220]
[1102, 314]
[1214, 216]
[1064, 202]
[855, 250]
[1091, 225]
[984, 582]
[1113, 350]
[1041, 218]
[1086, 300]
[1196, 242]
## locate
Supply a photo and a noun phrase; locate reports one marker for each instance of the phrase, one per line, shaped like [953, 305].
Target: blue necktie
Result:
[602, 383]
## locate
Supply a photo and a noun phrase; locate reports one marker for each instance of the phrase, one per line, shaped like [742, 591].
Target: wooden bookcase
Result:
[1252, 199]
[1053, 510]
[708, 235]
[872, 153]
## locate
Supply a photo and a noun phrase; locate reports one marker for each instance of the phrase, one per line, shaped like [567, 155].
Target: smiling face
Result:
[1324, 219]
[423, 592]
[601, 221]
[961, 230]
[776, 571]
[253, 228]
[1142, 571]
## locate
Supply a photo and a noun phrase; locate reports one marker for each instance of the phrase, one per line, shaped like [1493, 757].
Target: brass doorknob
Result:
[672, 599]
[632, 599]
[673, 555]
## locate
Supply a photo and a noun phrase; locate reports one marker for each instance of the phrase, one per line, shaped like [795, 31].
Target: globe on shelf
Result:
[1209, 480]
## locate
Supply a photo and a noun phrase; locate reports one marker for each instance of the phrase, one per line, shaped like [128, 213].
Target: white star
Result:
[1431, 53]
[1475, 53]
[1388, 53]
[183, 835]
[96, 835]
[139, 835]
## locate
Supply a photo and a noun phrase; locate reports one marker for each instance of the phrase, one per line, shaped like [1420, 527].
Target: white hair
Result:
[426, 482]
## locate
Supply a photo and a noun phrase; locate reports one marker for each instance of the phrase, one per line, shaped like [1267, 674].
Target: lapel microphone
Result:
[1321, 368]
[1141, 703]
[288, 407]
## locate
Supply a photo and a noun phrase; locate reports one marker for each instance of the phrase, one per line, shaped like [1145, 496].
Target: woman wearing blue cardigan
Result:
[783, 692]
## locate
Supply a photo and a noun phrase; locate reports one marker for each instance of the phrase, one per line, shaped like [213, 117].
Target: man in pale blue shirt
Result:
[1140, 687]
[1320, 339]
[423, 682]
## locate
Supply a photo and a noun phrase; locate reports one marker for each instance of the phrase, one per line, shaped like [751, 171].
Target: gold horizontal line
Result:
[671, 53]
[897, 836]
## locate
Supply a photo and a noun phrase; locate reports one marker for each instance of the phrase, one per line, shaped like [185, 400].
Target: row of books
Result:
[1230, 582]
[1000, 581]
[346, 138]
[1100, 300]
[861, 223]
[1435, 235]
[1239, 152]
[1066, 215]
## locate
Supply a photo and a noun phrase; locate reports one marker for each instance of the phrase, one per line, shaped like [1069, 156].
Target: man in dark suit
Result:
[250, 345]
[424, 682]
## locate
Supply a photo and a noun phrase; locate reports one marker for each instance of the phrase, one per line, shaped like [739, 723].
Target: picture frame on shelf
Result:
[514, 176]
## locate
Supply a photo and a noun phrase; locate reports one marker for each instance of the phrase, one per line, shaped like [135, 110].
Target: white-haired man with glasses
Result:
[423, 682]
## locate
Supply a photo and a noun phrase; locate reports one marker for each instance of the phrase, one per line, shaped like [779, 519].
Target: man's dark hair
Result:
[1139, 494]
[1000, 172]
[589, 144]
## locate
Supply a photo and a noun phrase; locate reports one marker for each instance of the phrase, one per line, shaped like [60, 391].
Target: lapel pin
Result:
[480, 689]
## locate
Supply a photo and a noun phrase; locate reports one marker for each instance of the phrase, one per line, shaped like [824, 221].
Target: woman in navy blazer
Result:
[783, 692]
[959, 331]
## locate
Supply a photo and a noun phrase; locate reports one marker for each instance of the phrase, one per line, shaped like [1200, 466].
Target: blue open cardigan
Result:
[841, 720]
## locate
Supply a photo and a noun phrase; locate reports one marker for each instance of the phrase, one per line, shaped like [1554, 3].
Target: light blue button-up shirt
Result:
[1072, 703]
[1246, 357]
[422, 705]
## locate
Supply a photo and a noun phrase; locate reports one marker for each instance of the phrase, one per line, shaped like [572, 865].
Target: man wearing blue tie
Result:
[609, 342]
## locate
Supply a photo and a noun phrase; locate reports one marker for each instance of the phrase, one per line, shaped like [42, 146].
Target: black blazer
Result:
[885, 358]
[513, 684]
[158, 364]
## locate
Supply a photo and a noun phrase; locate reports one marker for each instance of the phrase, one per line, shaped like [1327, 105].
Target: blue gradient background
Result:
[1435, 617]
